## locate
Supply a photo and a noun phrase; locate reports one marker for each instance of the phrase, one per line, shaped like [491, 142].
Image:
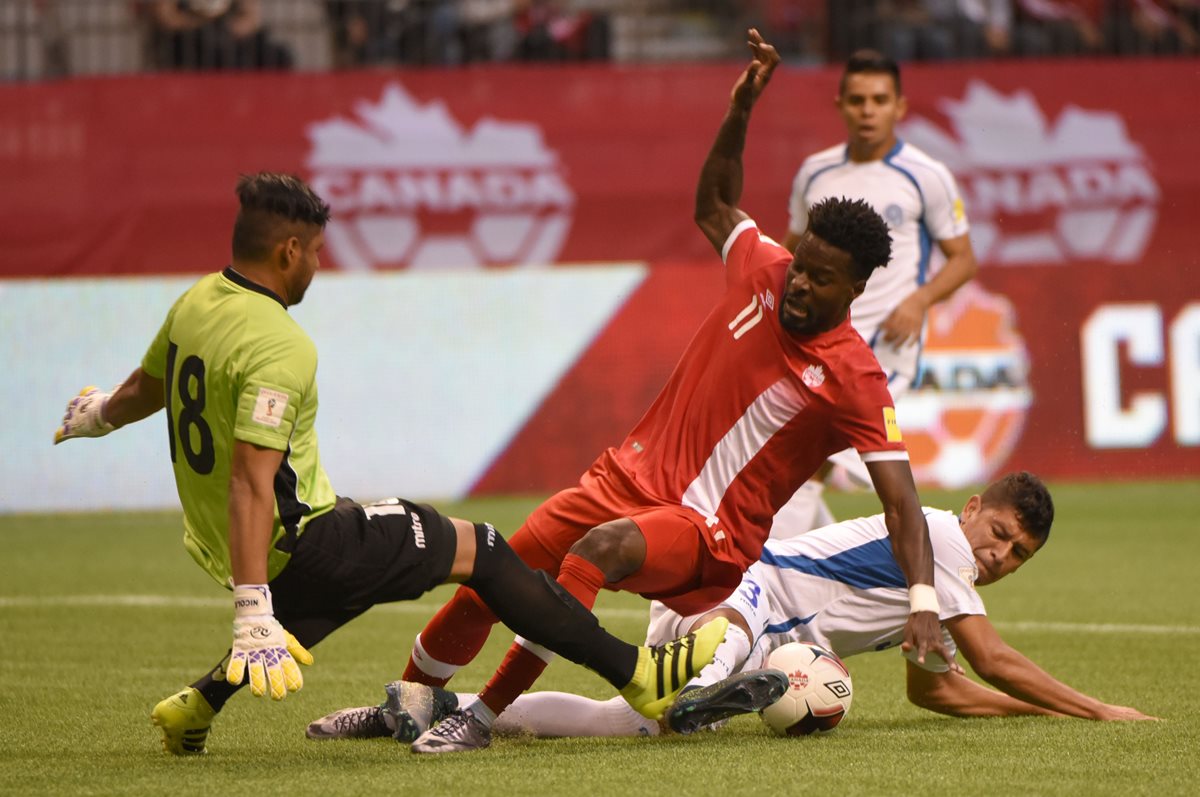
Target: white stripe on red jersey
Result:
[751, 410]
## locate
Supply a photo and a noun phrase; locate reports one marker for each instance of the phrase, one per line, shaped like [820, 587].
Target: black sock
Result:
[539, 609]
[215, 688]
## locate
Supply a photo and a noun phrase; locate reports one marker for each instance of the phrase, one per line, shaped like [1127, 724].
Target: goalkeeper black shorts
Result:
[354, 556]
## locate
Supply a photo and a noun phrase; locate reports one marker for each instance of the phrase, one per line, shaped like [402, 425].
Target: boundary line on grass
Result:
[423, 607]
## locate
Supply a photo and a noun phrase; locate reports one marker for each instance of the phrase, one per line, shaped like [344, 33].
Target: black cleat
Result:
[741, 693]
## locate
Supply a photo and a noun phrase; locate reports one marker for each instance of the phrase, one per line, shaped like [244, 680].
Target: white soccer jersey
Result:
[917, 197]
[841, 587]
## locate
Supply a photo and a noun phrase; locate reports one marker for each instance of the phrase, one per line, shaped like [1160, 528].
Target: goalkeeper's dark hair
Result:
[853, 226]
[274, 206]
[1030, 500]
[870, 62]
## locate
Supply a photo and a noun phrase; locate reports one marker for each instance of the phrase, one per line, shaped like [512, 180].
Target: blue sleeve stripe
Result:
[866, 566]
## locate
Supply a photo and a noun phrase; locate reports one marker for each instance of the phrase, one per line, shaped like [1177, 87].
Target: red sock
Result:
[450, 639]
[521, 667]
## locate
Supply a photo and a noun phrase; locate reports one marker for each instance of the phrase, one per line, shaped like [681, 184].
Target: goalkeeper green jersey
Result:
[236, 366]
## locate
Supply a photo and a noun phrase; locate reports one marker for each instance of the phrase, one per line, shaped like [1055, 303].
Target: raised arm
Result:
[720, 186]
[1028, 686]
[910, 544]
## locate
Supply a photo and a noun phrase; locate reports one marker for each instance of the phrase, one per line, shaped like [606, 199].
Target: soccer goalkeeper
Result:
[237, 377]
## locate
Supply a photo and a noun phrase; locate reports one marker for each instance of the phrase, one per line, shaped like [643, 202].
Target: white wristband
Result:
[252, 599]
[922, 598]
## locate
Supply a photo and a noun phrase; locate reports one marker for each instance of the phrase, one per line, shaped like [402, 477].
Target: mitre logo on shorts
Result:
[411, 187]
[1040, 190]
[965, 414]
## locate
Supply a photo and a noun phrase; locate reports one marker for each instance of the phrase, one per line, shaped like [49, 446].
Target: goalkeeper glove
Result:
[262, 646]
[85, 416]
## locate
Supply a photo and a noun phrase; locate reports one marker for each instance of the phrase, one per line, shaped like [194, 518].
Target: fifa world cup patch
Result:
[269, 407]
[890, 425]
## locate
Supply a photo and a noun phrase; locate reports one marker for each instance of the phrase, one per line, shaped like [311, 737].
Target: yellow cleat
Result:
[662, 671]
[184, 719]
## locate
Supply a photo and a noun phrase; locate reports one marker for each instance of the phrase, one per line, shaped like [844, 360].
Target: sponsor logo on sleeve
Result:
[889, 423]
[269, 407]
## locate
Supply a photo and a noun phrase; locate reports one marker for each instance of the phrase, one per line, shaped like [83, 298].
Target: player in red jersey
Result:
[774, 382]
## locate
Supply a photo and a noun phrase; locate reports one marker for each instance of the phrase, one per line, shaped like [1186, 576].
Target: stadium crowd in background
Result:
[55, 37]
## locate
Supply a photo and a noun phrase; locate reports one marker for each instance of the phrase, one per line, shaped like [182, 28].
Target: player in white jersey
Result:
[840, 587]
[918, 198]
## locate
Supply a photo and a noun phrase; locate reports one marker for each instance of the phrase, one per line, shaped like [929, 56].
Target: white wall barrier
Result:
[424, 377]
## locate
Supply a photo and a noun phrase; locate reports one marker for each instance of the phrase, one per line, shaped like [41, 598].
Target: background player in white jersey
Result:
[840, 587]
[918, 198]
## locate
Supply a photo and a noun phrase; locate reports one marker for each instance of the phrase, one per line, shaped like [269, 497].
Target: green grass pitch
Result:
[102, 615]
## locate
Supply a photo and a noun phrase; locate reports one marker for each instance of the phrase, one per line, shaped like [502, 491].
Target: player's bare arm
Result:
[957, 695]
[262, 650]
[1015, 675]
[904, 323]
[251, 510]
[140, 396]
[720, 188]
[909, 533]
[95, 413]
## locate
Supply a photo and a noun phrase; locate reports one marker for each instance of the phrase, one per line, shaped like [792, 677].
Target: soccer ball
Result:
[819, 690]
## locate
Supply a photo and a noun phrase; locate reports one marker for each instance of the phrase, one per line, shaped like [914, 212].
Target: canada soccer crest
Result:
[411, 187]
[965, 414]
[1073, 188]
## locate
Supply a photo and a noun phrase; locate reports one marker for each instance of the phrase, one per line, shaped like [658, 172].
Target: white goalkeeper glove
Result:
[262, 646]
[85, 416]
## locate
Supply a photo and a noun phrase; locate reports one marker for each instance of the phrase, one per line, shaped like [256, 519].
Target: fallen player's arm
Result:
[957, 695]
[1017, 677]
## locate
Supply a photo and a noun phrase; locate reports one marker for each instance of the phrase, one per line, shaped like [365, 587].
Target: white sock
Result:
[554, 714]
[728, 659]
[481, 711]
[429, 665]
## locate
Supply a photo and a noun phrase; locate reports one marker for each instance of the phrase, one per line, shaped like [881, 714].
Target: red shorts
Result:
[685, 567]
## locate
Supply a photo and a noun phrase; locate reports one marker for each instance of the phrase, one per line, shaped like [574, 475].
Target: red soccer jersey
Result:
[751, 410]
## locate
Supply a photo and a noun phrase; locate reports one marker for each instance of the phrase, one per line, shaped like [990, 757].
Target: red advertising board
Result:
[1079, 180]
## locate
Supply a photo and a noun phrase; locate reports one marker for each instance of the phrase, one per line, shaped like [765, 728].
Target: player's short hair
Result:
[870, 62]
[1028, 497]
[853, 226]
[274, 206]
